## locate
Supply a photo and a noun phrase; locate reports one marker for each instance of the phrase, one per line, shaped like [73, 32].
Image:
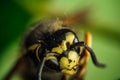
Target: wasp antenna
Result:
[93, 56]
[41, 68]
[94, 59]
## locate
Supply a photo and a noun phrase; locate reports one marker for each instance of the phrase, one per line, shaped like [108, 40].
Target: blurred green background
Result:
[103, 23]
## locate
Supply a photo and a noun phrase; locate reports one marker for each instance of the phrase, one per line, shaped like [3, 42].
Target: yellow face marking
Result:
[57, 49]
[51, 57]
[70, 62]
[70, 72]
[70, 37]
[33, 47]
[37, 53]
[74, 57]
[64, 62]
[62, 47]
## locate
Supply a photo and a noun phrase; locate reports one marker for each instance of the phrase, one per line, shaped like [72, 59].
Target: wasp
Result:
[52, 50]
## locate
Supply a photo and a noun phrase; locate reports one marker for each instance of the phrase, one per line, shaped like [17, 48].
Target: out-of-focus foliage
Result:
[103, 23]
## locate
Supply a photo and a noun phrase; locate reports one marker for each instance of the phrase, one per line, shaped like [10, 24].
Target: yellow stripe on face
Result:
[37, 53]
[57, 49]
[68, 72]
[64, 62]
[62, 47]
[33, 47]
[51, 57]
[70, 37]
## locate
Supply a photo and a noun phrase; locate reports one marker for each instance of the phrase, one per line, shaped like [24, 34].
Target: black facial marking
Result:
[68, 45]
[69, 60]
[74, 61]
[68, 65]
[74, 69]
